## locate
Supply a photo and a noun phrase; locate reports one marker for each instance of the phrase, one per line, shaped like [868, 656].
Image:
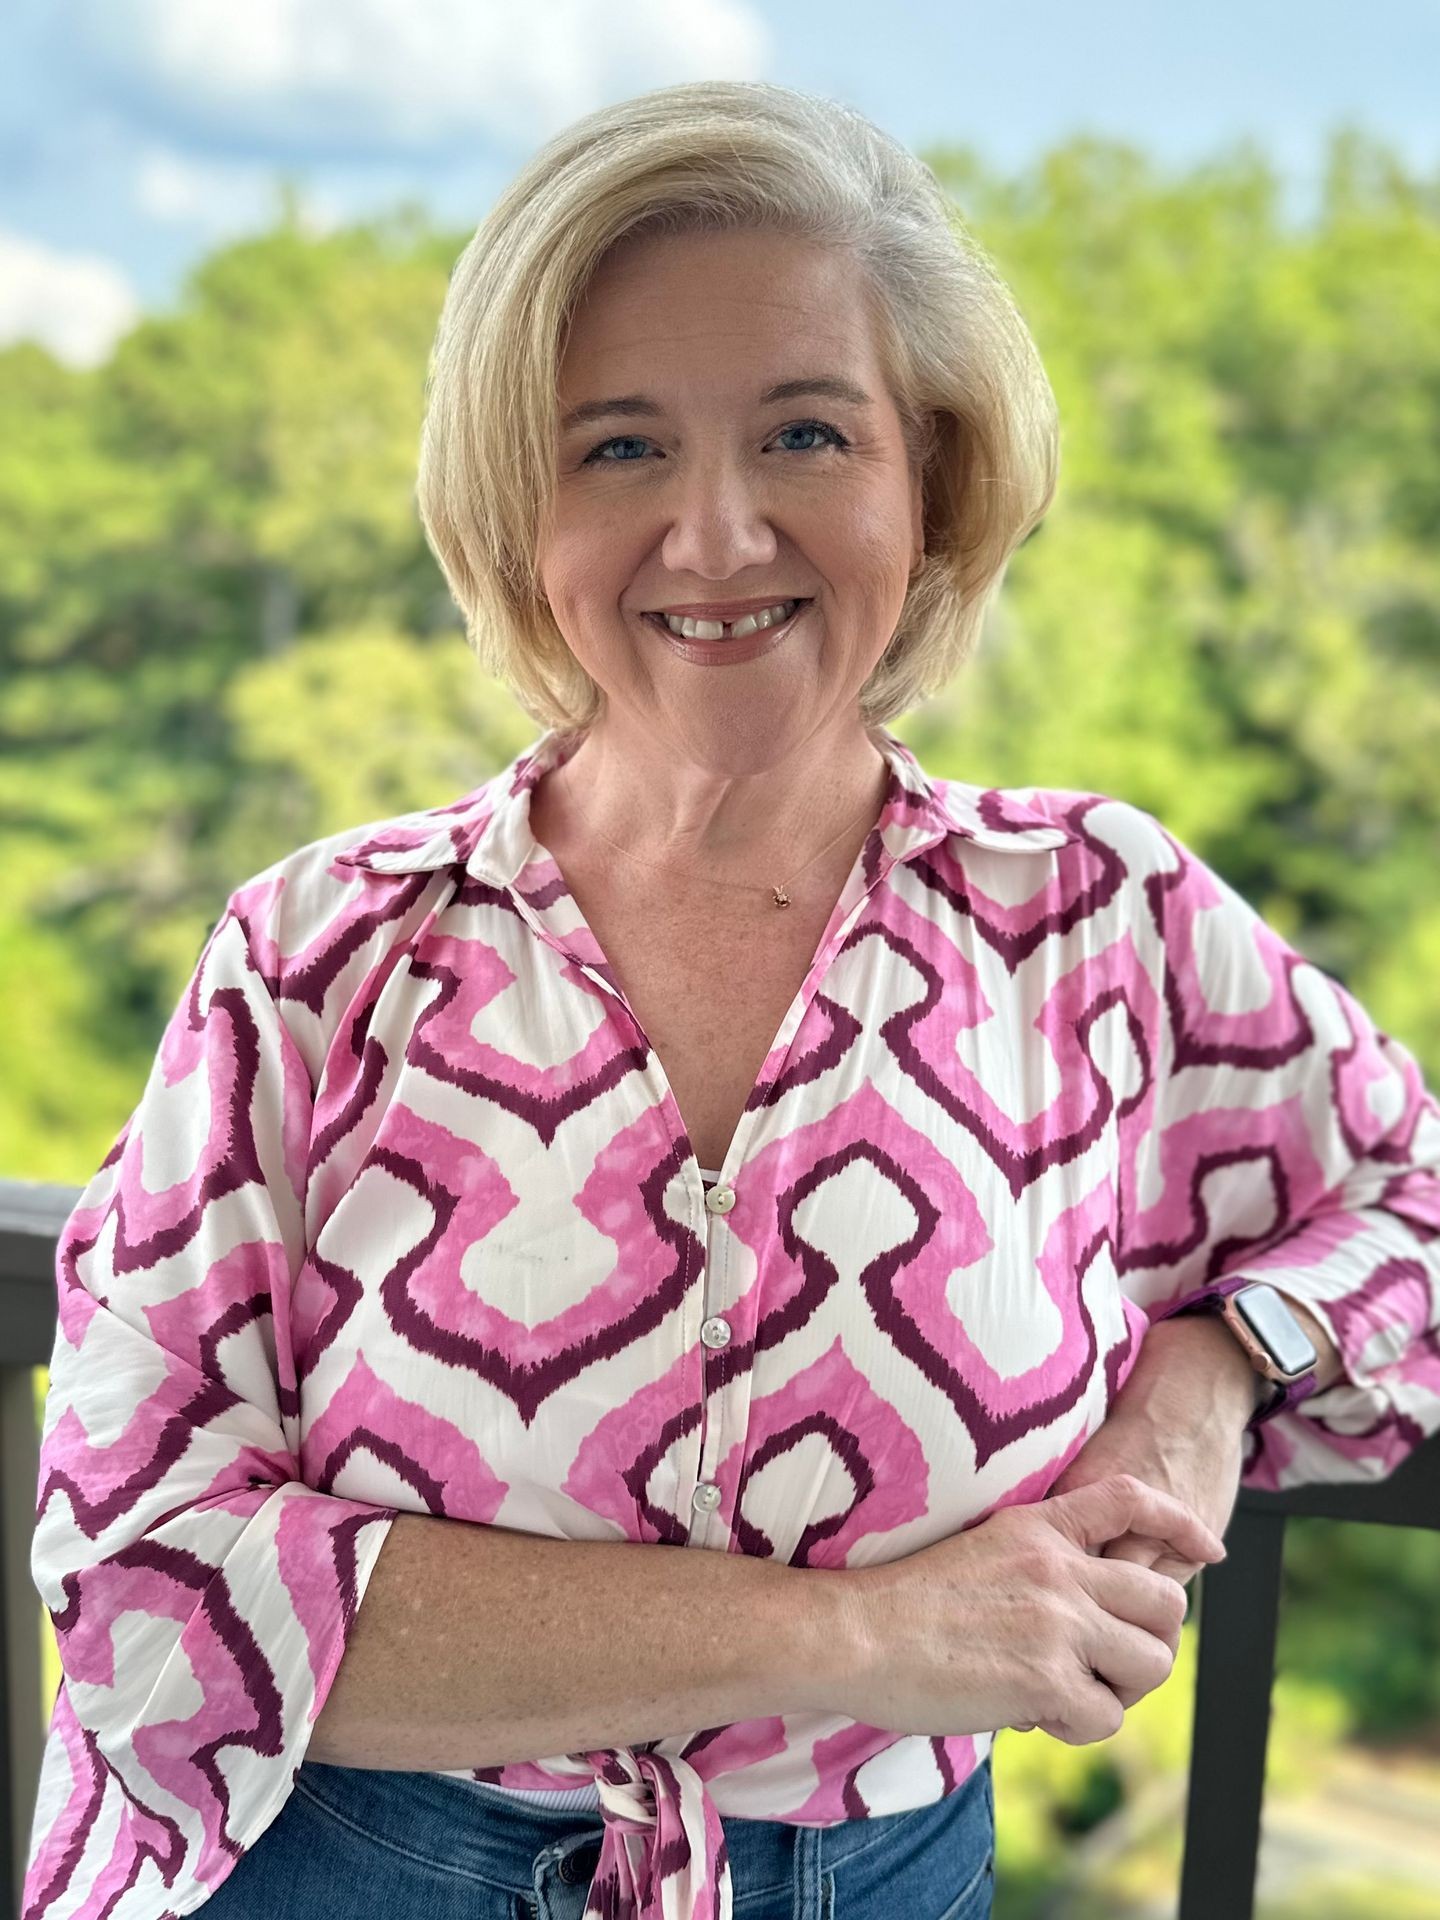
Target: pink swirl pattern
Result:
[406, 1220]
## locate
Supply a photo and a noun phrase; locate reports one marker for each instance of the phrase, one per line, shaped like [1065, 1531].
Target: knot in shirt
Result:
[663, 1856]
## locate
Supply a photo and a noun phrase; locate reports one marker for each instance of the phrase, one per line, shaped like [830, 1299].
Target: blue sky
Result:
[136, 135]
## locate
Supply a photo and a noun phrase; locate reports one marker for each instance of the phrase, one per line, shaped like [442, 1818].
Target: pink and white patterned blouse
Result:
[406, 1220]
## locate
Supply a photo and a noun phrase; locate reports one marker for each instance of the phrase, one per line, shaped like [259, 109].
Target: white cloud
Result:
[76, 304]
[377, 78]
[218, 198]
[171, 186]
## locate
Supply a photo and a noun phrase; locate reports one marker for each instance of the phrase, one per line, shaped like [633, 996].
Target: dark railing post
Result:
[1235, 1669]
[20, 1619]
[31, 1217]
[1239, 1619]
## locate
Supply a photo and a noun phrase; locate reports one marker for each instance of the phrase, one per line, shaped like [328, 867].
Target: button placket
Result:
[714, 1337]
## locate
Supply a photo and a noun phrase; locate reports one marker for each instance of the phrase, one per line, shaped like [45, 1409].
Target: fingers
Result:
[1137, 1597]
[1131, 1660]
[1151, 1553]
[1183, 1571]
[1138, 1548]
[1123, 1503]
[1145, 1552]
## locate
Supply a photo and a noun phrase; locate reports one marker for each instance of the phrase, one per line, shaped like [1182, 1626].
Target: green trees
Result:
[221, 634]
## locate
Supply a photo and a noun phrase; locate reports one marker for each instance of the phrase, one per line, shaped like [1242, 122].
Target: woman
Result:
[713, 1132]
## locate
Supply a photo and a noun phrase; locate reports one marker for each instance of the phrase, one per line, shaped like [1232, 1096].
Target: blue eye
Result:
[834, 438]
[621, 440]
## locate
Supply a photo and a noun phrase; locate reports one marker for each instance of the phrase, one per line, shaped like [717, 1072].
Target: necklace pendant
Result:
[782, 899]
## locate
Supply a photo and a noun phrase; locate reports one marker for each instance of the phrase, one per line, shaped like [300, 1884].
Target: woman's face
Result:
[685, 486]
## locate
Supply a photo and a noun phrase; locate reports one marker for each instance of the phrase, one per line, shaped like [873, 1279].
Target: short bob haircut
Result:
[976, 406]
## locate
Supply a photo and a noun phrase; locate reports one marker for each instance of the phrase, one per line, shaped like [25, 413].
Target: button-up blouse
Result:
[407, 1220]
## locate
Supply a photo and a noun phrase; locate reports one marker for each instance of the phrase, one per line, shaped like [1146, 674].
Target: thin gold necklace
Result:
[780, 895]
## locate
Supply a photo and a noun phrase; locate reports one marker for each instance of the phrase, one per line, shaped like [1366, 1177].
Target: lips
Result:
[794, 602]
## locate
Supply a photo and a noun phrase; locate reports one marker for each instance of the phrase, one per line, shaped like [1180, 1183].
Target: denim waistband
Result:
[468, 1826]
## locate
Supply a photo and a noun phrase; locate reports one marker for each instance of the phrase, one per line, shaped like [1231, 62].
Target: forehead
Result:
[718, 299]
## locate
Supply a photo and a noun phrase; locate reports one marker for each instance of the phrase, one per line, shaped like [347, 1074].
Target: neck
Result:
[674, 813]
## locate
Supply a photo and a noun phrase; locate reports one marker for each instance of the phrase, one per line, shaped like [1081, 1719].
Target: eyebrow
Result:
[822, 386]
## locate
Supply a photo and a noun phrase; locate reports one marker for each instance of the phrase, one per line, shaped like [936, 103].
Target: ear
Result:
[917, 521]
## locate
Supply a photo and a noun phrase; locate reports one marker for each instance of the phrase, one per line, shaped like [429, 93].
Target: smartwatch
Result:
[1280, 1350]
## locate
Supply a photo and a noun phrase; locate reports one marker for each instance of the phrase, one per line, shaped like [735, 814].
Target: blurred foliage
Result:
[1048, 1794]
[222, 634]
[1355, 1898]
[1360, 1608]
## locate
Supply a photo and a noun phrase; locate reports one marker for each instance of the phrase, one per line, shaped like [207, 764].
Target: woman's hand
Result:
[1017, 1616]
[1178, 1424]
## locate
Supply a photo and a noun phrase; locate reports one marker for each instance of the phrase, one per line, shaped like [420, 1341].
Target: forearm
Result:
[475, 1646]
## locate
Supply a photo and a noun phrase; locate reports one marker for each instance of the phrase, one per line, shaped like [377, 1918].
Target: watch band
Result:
[1286, 1392]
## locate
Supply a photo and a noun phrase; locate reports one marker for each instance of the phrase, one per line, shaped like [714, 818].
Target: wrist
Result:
[1212, 1355]
[834, 1637]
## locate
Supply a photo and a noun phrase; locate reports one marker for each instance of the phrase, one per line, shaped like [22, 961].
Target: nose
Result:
[719, 526]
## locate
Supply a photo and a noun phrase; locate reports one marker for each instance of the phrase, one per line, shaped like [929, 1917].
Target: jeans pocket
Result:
[974, 1901]
[935, 1864]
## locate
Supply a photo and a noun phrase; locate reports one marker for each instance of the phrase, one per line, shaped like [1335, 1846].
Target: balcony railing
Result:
[1239, 1600]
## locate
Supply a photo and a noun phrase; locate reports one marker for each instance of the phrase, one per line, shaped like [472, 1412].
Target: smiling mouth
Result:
[727, 628]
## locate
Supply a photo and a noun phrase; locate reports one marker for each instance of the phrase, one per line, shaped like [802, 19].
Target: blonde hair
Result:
[976, 406]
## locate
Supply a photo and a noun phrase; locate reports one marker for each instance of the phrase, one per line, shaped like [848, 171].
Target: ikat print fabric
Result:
[406, 1221]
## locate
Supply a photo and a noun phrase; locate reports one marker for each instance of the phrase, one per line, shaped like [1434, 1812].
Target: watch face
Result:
[1276, 1327]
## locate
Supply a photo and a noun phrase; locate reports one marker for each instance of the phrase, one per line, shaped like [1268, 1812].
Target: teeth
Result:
[688, 629]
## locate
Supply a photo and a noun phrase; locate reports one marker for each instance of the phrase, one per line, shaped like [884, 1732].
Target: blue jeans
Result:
[352, 1842]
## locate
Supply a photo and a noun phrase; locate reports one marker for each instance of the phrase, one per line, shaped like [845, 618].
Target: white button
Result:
[720, 1199]
[706, 1496]
[716, 1332]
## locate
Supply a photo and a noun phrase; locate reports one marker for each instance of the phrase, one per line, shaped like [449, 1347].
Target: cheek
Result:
[865, 526]
[582, 571]
[871, 548]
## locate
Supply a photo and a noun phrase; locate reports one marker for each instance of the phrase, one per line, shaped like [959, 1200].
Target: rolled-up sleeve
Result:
[201, 1593]
[1274, 1131]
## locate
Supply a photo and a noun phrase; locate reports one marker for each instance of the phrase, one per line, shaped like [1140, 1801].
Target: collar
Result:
[487, 830]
